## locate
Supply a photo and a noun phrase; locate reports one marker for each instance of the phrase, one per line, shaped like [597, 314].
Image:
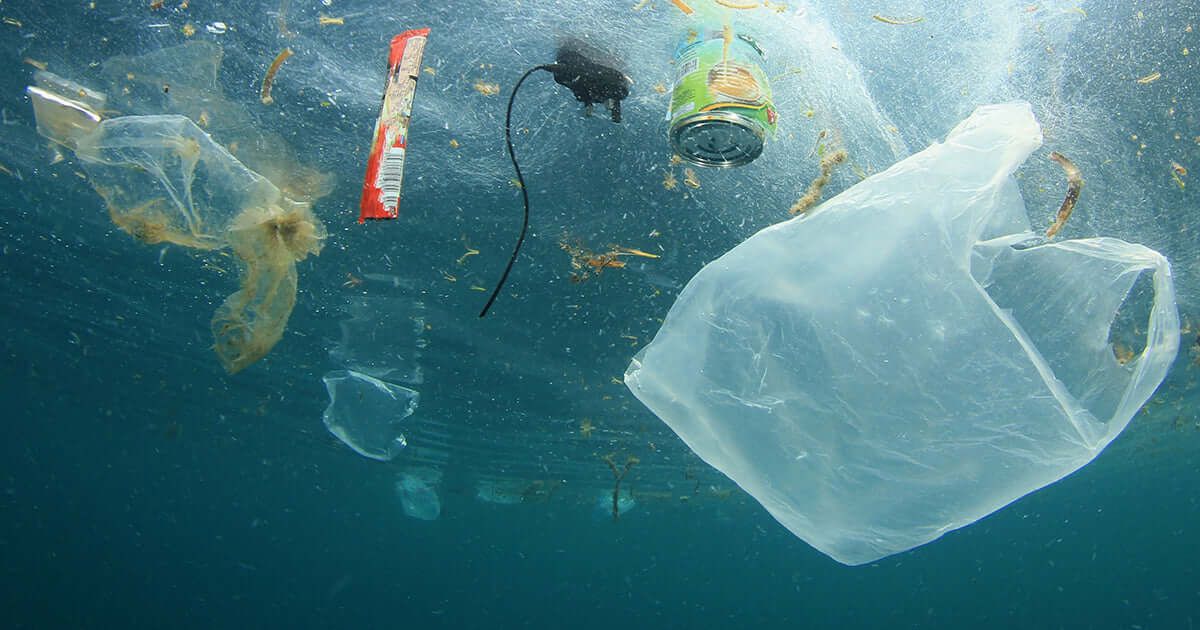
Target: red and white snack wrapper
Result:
[385, 166]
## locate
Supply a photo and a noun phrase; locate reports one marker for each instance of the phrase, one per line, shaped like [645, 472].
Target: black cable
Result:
[520, 181]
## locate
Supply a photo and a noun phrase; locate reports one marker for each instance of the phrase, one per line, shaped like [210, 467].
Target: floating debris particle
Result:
[1074, 183]
[813, 194]
[729, 4]
[817, 145]
[689, 178]
[682, 7]
[189, 29]
[610, 459]
[629, 251]
[485, 88]
[1177, 173]
[586, 263]
[1150, 78]
[281, 19]
[669, 181]
[325, 20]
[265, 92]
[897, 21]
[471, 251]
[217, 28]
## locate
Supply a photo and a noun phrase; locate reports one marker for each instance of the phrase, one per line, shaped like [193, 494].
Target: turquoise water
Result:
[145, 487]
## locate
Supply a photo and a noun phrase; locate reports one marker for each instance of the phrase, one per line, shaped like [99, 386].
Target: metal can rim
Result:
[686, 122]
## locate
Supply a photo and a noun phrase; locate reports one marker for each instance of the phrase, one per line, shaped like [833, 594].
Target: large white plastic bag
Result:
[891, 368]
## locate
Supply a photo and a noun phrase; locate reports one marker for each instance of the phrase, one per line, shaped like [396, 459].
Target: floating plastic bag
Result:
[907, 359]
[417, 489]
[380, 348]
[368, 414]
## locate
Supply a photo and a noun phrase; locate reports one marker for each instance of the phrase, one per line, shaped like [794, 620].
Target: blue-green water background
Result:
[145, 488]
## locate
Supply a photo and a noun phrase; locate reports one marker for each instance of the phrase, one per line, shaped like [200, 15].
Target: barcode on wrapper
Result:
[391, 174]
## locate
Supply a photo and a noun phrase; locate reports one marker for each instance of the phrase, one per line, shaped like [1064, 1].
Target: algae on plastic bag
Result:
[269, 241]
[165, 180]
[909, 357]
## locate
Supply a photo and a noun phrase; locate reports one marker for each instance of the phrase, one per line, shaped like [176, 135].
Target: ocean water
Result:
[144, 486]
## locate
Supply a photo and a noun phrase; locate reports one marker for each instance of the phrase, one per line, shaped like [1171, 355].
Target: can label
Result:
[385, 165]
[719, 80]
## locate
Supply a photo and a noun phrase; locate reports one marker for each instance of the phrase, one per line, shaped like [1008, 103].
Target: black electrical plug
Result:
[591, 82]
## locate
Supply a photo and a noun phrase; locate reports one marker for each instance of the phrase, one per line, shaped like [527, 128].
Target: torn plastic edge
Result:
[65, 102]
[60, 118]
[385, 165]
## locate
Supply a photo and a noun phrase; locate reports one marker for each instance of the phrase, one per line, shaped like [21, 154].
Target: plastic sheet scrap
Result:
[369, 408]
[910, 357]
[368, 414]
[417, 490]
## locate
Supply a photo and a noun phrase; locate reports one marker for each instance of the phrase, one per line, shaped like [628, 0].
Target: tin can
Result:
[721, 111]
[385, 164]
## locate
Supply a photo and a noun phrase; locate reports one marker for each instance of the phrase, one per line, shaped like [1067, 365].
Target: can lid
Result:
[720, 139]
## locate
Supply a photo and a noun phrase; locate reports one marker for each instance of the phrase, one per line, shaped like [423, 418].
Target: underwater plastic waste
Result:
[383, 336]
[166, 181]
[502, 491]
[418, 494]
[146, 167]
[603, 508]
[64, 110]
[368, 414]
[385, 163]
[910, 356]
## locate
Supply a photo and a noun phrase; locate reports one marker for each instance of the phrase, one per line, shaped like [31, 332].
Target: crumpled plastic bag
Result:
[166, 181]
[368, 414]
[909, 357]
